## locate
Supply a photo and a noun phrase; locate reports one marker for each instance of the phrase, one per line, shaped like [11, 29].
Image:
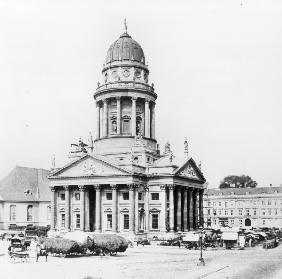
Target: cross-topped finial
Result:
[125, 25]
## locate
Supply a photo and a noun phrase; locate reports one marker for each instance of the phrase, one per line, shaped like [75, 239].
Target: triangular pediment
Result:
[190, 170]
[90, 166]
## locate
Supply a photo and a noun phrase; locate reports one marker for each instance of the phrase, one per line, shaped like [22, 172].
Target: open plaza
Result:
[151, 262]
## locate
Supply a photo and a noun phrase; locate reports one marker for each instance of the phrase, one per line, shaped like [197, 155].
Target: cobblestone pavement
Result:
[152, 262]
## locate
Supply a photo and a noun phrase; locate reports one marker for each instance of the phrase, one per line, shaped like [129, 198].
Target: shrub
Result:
[108, 244]
[62, 246]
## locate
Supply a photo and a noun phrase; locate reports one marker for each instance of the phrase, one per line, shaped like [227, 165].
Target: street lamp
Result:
[201, 235]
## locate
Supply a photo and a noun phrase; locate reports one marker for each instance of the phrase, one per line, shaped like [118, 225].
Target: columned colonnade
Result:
[102, 124]
[180, 208]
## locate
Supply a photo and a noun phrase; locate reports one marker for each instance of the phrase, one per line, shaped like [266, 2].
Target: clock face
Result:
[126, 73]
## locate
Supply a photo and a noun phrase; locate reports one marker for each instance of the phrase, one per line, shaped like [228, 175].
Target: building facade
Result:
[25, 198]
[244, 207]
[121, 182]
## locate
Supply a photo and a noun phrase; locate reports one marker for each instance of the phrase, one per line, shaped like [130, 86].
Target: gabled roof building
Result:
[120, 182]
[25, 198]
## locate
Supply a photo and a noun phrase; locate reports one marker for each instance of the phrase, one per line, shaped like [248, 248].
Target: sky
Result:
[216, 67]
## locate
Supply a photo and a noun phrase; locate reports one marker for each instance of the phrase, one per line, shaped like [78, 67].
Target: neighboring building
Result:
[122, 183]
[25, 198]
[236, 207]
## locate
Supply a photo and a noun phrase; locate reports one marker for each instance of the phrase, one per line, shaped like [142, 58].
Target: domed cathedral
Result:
[120, 182]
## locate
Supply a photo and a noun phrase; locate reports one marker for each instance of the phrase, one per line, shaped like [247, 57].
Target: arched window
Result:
[12, 213]
[29, 213]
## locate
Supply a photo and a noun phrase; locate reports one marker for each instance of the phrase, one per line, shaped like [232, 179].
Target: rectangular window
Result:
[209, 203]
[125, 126]
[263, 222]
[269, 211]
[231, 212]
[214, 221]
[29, 213]
[155, 196]
[240, 212]
[226, 204]
[12, 213]
[269, 202]
[247, 211]
[255, 212]
[140, 196]
[232, 222]
[125, 196]
[77, 221]
[155, 221]
[214, 212]
[226, 212]
[109, 196]
[209, 212]
[275, 211]
[263, 212]
[63, 221]
[219, 212]
[126, 221]
[240, 222]
[214, 204]
[63, 196]
[77, 196]
[219, 204]
[262, 202]
[109, 221]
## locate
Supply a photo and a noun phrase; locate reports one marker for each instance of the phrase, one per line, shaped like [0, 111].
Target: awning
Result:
[229, 236]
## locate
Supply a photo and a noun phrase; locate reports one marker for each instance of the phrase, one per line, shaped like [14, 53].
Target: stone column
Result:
[118, 115]
[98, 209]
[171, 208]
[87, 217]
[53, 207]
[178, 227]
[133, 116]
[114, 208]
[147, 119]
[67, 207]
[191, 206]
[132, 207]
[153, 127]
[82, 207]
[98, 121]
[163, 209]
[147, 202]
[195, 209]
[185, 214]
[136, 210]
[105, 118]
[201, 209]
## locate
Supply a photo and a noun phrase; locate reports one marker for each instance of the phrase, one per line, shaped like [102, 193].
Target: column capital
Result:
[146, 188]
[82, 188]
[97, 187]
[147, 101]
[171, 186]
[66, 187]
[186, 189]
[132, 186]
[134, 98]
[53, 188]
[163, 187]
[118, 97]
[105, 101]
[114, 186]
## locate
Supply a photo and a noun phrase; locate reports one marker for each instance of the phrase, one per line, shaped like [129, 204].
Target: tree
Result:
[235, 181]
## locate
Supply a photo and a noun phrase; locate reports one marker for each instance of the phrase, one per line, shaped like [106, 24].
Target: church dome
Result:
[125, 48]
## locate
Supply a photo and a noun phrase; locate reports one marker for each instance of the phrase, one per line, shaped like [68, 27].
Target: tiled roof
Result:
[244, 191]
[25, 184]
